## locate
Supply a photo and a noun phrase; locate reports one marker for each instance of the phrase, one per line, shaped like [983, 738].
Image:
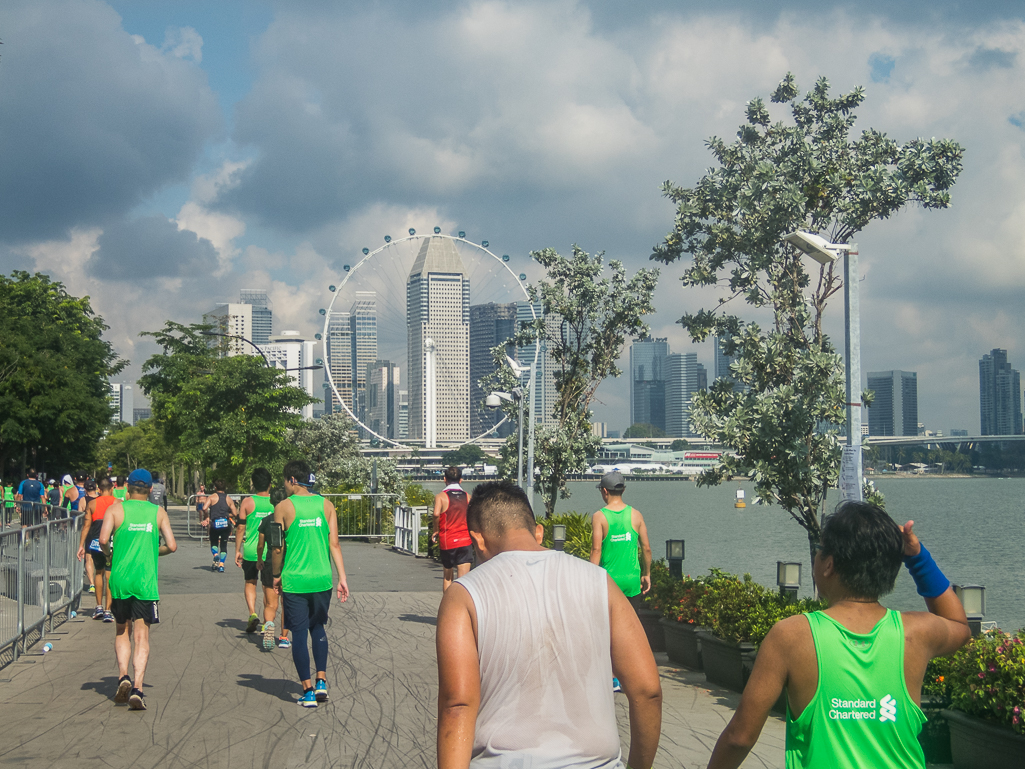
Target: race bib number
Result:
[220, 523]
[94, 546]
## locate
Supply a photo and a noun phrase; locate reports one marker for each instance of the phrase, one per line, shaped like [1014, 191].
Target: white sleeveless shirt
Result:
[543, 639]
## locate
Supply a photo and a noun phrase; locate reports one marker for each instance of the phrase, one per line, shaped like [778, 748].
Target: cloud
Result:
[151, 247]
[93, 121]
[183, 43]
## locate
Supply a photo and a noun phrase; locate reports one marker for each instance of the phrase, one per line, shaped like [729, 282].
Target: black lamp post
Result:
[675, 553]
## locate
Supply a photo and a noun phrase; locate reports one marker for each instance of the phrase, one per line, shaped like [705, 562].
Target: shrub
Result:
[578, 533]
[987, 678]
[678, 600]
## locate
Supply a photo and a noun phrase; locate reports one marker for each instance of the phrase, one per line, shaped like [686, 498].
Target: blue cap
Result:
[140, 476]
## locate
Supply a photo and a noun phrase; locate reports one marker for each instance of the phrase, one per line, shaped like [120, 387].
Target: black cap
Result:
[613, 481]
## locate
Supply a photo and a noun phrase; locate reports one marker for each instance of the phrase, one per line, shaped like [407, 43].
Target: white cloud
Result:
[183, 43]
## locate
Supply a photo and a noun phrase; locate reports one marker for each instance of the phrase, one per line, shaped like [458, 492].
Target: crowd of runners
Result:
[532, 644]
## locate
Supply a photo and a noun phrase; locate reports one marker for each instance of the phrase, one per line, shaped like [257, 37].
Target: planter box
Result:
[979, 744]
[726, 664]
[651, 622]
[682, 643]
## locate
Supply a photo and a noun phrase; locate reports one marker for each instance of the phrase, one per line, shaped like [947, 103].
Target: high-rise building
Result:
[139, 414]
[648, 382]
[681, 384]
[702, 377]
[363, 339]
[121, 401]
[382, 399]
[236, 322]
[339, 360]
[491, 324]
[291, 351]
[544, 374]
[261, 313]
[438, 349]
[895, 408]
[999, 395]
[403, 428]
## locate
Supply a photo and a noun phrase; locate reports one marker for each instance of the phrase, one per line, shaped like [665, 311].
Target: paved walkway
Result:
[216, 699]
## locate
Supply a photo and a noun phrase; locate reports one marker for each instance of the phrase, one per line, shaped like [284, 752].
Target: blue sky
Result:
[170, 153]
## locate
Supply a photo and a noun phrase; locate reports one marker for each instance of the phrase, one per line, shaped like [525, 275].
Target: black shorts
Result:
[219, 537]
[125, 609]
[637, 601]
[92, 545]
[250, 572]
[304, 610]
[100, 562]
[456, 556]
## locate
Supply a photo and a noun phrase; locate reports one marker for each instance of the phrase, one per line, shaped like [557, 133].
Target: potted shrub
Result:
[682, 618]
[987, 702]
[663, 587]
[935, 735]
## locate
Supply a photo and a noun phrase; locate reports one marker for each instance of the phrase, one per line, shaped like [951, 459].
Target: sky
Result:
[158, 156]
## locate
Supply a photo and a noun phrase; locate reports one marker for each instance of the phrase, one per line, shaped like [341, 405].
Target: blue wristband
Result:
[927, 575]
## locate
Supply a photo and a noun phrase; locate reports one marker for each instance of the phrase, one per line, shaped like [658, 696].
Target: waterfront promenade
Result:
[216, 699]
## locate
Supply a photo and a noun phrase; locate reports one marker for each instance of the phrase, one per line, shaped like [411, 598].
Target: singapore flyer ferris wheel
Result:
[407, 335]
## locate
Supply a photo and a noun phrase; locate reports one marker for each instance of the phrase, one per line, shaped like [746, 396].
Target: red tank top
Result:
[452, 531]
[102, 503]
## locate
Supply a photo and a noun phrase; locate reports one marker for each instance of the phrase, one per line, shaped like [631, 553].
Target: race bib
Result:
[220, 523]
[94, 546]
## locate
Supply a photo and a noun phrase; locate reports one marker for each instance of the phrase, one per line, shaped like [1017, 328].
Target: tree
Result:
[469, 454]
[230, 413]
[125, 448]
[586, 320]
[778, 177]
[644, 430]
[54, 370]
[331, 446]
[678, 445]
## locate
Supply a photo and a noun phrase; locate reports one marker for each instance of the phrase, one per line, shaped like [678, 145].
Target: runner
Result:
[251, 513]
[8, 504]
[95, 512]
[95, 588]
[450, 528]
[218, 515]
[80, 500]
[303, 573]
[261, 543]
[30, 494]
[53, 494]
[138, 525]
[69, 493]
[120, 492]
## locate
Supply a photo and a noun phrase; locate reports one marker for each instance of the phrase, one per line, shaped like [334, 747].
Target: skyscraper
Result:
[291, 351]
[236, 322]
[544, 374]
[438, 349]
[999, 395]
[491, 324]
[895, 408]
[339, 359]
[702, 377]
[648, 382]
[681, 384]
[122, 402]
[363, 340]
[261, 314]
[382, 399]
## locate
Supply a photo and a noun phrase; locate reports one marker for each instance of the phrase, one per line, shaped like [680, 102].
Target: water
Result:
[973, 528]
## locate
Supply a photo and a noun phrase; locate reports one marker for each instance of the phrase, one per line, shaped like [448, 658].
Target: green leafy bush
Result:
[987, 678]
[678, 600]
[937, 677]
[578, 533]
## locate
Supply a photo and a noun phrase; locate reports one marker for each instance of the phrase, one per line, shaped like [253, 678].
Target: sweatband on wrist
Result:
[927, 575]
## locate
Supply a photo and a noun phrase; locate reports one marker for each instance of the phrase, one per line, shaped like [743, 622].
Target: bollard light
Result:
[559, 536]
[788, 577]
[973, 598]
[740, 499]
[675, 553]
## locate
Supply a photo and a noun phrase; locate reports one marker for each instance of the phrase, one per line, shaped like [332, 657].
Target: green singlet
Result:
[262, 507]
[121, 494]
[307, 567]
[861, 714]
[619, 551]
[133, 571]
[8, 496]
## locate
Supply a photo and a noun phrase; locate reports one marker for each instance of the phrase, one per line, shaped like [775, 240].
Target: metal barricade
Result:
[194, 517]
[365, 515]
[40, 577]
[408, 526]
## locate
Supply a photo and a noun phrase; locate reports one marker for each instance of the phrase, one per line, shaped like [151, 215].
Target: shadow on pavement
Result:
[106, 686]
[418, 618]
[234, 624]
[281, 688]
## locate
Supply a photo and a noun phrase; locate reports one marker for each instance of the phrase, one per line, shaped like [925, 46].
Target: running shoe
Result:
[309, 699]
[216, 564]
[98, 612]
[108, 616]
[136, 701]
[124, 688]
[221, 568]
[615, 685]
[284, 643]
[268, 636]
[92, 589]
[320, 690]
[253, 623]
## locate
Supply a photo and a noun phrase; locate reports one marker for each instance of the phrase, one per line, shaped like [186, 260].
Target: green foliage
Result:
[578, 533]
[678, 445]
[780, 426]
[331, 446]
[678, 600]
[418, 496]
[644, 430]
[126, 448]
[466, 455]
[587, 318]
[54, 368]
[937, 677]
[987, 678]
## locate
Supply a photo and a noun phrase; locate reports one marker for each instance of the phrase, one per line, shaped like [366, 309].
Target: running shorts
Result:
[131, 608]
[250, 572]
[456, 556]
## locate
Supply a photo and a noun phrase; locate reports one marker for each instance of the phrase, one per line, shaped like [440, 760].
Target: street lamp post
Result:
[824, 252]
[520, 395]
[239, 336]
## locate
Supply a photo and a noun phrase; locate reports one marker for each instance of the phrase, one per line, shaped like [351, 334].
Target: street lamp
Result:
[238, 336]
[788, 577]
[825, 253]
[675, 551]
[494, 402]
[559, 536]
[973, 598]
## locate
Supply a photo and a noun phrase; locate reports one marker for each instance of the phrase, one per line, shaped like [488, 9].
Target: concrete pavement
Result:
[216, 699]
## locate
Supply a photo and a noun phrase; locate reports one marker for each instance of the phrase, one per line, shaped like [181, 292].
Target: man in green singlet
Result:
[617, 530]
[303, 574]
[853, 672]
[119, 488]
[250, 514]
[138, 525]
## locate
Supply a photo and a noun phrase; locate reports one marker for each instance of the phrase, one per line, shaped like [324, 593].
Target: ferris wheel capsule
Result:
[345, 267]
[462, 234]
[484, 243]
[437, 230]
[323, 311]
[366, 251]
[317, 337]
[523, 276]
[505, 257]
[412, 231]
[331, 289]
[387, 238]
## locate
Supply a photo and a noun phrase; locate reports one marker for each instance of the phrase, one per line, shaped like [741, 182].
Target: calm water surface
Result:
[973, 527]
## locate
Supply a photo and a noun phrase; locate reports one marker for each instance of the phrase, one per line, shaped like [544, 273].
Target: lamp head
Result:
[492, 401]
[815, 246]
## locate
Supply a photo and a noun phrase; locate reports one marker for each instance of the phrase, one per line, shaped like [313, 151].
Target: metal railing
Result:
[40, 576]
[408, 526]
[365, 515]
[194, 516]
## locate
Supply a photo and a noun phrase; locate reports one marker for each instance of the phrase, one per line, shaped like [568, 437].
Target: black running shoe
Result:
[136, 701]
[124, 688]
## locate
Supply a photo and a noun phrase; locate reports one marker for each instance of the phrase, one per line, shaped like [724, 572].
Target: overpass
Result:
[932, 441]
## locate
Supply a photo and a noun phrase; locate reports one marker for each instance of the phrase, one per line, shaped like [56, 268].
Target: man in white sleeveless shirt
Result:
[524, 654]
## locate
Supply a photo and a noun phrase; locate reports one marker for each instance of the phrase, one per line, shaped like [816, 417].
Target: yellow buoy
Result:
[740, 499]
